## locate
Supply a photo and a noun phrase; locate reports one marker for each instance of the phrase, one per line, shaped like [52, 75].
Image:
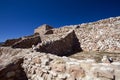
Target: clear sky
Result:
[21, 17]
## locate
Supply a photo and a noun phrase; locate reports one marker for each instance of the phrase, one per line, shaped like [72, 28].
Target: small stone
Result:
[45, 60]
[37, 60]
[32, 63]
[59, 67]
[38, 65]
[48, 68]
[105, 59]
[62, 76]
[76, 71]
[53, 73]
[45, 71]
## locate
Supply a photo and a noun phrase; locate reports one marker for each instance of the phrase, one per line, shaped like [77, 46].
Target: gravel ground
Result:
[95, 55]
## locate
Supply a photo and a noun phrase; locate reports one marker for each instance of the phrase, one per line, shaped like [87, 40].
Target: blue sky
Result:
[20, 17]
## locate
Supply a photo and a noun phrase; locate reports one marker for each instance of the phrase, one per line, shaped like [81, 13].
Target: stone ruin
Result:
[26, 64]
[23, 42]
[100, 36]
[48, 43]
[62, 45]
[43, 55]
[44, 29]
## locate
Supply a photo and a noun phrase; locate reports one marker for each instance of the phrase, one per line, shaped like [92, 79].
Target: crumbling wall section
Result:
[65, 45]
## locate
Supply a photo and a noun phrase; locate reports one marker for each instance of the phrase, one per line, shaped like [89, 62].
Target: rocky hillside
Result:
[89, 51]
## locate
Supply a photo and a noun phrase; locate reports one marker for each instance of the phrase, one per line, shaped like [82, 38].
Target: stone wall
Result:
[23, 42]
[43, 29]
[63, 45]
[103, 35]
[17, 63]
[10, 42]
[99, 37]
[27, 42]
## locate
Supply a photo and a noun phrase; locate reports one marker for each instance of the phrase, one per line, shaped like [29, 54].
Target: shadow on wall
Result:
[65, 46]
[76, 47]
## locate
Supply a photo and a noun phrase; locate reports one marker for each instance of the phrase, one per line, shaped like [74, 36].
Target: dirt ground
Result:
[95, 55]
